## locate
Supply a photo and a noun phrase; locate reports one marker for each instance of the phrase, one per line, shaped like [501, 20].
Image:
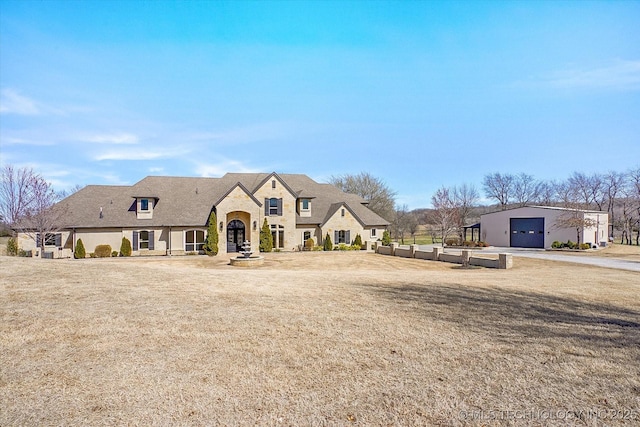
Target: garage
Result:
[527, 232]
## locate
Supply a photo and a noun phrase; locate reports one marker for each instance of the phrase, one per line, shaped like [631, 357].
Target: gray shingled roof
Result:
[183, 201]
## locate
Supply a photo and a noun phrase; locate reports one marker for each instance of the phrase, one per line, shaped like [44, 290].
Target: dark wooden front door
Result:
[235, 235]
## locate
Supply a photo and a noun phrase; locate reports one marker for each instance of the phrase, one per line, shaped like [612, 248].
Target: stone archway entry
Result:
[235, 235]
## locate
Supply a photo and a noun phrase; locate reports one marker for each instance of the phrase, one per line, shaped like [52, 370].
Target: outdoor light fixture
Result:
[221, 225]
[255, 225]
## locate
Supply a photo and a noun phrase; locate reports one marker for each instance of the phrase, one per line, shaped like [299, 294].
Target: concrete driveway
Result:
[597, 261]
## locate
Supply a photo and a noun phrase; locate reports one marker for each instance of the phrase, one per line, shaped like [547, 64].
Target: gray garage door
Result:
[527, 232]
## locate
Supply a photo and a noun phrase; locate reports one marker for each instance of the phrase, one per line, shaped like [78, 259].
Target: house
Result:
[163, 215]
[540, 226]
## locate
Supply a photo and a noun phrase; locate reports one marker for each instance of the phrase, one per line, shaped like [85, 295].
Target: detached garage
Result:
[540, 226]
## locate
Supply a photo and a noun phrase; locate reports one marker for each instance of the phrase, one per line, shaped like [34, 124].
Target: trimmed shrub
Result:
[12, 246]
[452, 242]
[556, 245]
[266, 239]
[328, 244]
[125, 247]
[355, 247]
[79, 252]
[114, 253]
[103, 251]
[386, 238]
[585, 246]
[357, 241]
[210, 246]
[309, 244]
[93, 255]
[343, 247]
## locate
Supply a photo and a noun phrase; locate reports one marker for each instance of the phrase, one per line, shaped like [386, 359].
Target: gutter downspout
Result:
[169, 241]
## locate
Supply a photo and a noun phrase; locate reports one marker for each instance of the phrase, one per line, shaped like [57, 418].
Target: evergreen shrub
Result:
[125, 247]
[79, 252]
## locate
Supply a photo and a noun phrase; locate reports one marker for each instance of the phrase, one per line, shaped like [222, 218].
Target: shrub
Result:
[343, 247]
[23, 253]
[93, 255]
[309, 244]
[125, 247]
[328, 244]
[12, 246]
[318, 248]
[355, 247]
[584, 246]
[357, 240]
[114, 253]
[266, 239]
[452, 242]
[570, 244]
[386, 238]
[79, 252]
[103, 251]
[483, 244]
[556, 245]
[210, 246]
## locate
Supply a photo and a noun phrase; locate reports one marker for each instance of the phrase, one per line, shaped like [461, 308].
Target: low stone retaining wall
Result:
[504, 261]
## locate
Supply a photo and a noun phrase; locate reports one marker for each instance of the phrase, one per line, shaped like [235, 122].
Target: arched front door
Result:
[235, 235]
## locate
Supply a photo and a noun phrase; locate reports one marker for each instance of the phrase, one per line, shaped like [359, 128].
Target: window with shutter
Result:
[58, 240]
[348, 237]
[279, 207]
[266, 207]
[151, 241]
[135, 241]
[336, 237]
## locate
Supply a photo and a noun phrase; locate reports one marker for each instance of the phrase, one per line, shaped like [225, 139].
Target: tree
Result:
[125, 247]
[499, 187]
[413, 225]
[400, 224]
[575, 218]
[465, 197]
[42, 217]
[210, 246]
[445, 212]
[266, 238]
[328, 244]
[525, 189]
[79, 252]
[386, 238]
[380, 198]
[16, 193]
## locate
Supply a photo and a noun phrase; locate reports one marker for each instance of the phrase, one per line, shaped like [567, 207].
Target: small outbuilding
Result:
[540, 226]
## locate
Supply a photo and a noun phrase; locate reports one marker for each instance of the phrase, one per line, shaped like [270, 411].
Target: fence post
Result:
[412, 250]
[464, 257]
[394, 246]
[436, 253]
[505, 261]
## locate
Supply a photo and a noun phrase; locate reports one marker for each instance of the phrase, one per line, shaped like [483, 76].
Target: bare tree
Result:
[575, 218]
[380, 198]
[16, 193]
[42, 218]
[499, 187]
[445, 212]
[613, 183]
[413, 225]
[546, 193]
[525, 189]
[399, 225]
[465, 198]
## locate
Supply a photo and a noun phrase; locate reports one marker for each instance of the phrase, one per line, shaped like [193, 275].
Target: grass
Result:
[312, 338]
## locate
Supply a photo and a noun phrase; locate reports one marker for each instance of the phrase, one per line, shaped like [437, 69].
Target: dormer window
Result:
[305, 204]
[144, 204]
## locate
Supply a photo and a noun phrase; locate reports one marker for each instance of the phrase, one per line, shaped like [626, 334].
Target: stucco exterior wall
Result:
[316, 234]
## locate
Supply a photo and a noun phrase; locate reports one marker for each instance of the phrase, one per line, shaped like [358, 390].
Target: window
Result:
[273, 183]
[342, 235]
[277, 233]
[373, 232]
[194, 240]
[273, 207]
[144, 204]
[143, 240]
[50, 239]
[342, 211]
[305, 204]
[306, 236]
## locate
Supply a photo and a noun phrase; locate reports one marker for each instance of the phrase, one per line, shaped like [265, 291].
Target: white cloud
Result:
[114, 138]
[11, 102]
[618, 75]
[222, 167]
[140, 154]
[250, 133]
[22, 141]
[156, 169]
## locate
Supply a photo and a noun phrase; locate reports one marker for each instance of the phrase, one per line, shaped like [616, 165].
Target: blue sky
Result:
[419, 94]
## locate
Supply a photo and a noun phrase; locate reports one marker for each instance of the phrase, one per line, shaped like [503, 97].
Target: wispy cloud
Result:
[12, 102]
[140, 153]
[114, 138]
[22, 141]
[250, 133]
[221, 167]
[618, 75]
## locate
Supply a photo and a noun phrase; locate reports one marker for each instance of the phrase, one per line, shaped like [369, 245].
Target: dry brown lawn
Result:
[316, 339]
